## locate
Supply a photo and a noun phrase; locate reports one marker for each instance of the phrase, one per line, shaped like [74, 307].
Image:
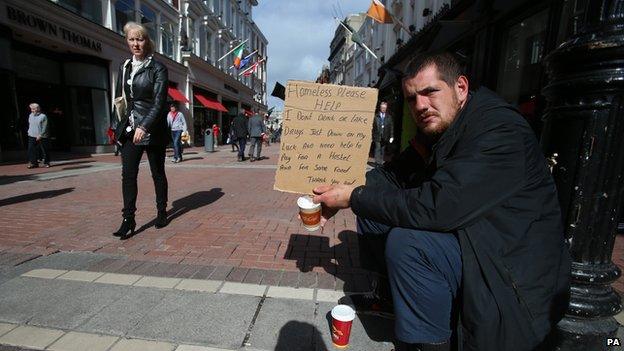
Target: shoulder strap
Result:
[123, 78]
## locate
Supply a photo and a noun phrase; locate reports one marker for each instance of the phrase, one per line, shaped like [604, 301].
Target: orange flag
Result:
[377, 11]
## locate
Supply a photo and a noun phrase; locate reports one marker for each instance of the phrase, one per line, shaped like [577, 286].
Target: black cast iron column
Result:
[585, 128]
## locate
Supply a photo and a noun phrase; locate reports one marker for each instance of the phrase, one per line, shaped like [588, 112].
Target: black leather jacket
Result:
[148, 99]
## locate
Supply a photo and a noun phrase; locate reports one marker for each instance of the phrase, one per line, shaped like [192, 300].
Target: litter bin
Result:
[208, 141]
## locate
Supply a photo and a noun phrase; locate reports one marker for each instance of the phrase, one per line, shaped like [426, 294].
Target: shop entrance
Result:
[51, 98]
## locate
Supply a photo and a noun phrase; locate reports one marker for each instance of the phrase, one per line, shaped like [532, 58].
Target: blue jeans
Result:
[424, 270]
[177, 144]
[241, 147]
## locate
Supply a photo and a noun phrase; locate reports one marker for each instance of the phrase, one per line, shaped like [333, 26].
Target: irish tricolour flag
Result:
[238, 55]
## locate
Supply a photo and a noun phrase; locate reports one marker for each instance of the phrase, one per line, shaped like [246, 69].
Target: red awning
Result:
[248, 113]
[210, 103]
[177, 95]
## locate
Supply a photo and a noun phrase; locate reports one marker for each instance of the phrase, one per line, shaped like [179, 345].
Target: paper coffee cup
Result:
[309, 212]
[342, 319]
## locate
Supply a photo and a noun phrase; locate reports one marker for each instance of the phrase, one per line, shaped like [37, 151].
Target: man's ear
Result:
[461, 89]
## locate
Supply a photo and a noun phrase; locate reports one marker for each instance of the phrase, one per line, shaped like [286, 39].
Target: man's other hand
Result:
[333, 199]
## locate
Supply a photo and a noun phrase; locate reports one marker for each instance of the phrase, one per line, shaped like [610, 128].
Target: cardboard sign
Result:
[326, 136]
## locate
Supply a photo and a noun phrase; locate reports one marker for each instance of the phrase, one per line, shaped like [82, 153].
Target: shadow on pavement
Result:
[77, 167]
[311, 251]
[34, 196]
[188, 203]
[293, 336]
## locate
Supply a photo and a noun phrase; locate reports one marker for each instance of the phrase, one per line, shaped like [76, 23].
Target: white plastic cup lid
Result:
[306, 202]
[343, 313]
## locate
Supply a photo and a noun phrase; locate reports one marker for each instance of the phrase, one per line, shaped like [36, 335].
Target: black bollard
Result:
[584, 128]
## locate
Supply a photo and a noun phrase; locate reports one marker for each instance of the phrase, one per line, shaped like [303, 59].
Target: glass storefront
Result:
[520, 67]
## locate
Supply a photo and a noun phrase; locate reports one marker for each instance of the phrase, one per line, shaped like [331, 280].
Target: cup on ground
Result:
[342, 319]
[309, 212]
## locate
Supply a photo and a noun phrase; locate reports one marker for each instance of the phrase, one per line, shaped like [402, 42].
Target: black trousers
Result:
[130, 159]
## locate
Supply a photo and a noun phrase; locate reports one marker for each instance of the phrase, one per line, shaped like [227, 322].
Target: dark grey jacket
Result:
[487, 180]
[256, 126]
[239, 127]
[383, 132]
[148, 101]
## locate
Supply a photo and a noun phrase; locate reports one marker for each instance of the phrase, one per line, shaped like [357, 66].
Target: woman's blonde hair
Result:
[132, 27]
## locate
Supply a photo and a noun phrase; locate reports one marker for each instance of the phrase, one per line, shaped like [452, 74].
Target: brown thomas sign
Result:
[50, 28]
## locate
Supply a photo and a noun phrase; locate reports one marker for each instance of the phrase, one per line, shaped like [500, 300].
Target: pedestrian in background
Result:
[383, 132]
[240, 132]
[38, 134]
[177, 124]
[144, 126]
[256, 132]
[215, 133]
[231, 139]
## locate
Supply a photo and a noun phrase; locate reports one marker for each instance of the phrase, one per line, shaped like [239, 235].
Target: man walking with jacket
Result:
[383, 132]
[473, 214]
[256, 132]
[239, 134]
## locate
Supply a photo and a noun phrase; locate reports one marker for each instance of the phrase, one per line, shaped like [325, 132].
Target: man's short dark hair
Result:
[448, 65]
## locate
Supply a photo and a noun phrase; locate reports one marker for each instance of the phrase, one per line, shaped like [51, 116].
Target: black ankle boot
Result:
[161, 219]
[126, 229]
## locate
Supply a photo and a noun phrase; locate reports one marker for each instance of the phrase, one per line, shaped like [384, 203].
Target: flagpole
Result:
[250, 67]
[363, 45]
[229, 52]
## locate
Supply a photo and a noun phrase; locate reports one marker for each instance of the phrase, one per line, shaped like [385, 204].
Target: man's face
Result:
[383, 107]
[34, 109]
[433, 103]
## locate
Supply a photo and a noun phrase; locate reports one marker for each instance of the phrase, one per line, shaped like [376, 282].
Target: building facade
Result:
[65, 55]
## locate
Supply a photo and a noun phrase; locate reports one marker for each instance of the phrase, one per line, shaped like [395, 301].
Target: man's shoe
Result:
[252, 159]
[31, 165]
[46, 165]
[174, 160]
[240, 159]
[369, 304]
[161, 219]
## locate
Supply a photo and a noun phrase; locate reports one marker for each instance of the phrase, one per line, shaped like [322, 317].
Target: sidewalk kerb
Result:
[76, 341]
[81, 276]
[243, 289]
[290, 293]
[157, 282]
[326, 295]
[119, 279]
[199, 285]
[28, 336]
[5, 328]
[44, 273]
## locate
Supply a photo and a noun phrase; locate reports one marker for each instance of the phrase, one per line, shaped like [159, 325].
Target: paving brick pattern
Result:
[227, 223]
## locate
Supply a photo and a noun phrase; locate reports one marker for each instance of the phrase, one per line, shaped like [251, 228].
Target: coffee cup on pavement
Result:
[309, 212]
[342, 319]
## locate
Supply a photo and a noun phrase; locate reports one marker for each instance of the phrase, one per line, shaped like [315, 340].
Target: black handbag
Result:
[121, 134]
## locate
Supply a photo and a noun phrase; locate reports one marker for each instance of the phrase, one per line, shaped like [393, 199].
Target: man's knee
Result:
[404, 245]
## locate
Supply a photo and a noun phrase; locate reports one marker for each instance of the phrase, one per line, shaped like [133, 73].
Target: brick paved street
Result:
[224, 215]
[227, 222]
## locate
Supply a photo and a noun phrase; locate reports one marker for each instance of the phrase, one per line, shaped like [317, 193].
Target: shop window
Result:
[520, 68]
[89, 9]
[124, 12]
[166, 39]
[573, 12]
[82, 116]
[148, 19]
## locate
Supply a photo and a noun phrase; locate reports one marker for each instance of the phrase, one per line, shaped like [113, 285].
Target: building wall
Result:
[68, 54]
